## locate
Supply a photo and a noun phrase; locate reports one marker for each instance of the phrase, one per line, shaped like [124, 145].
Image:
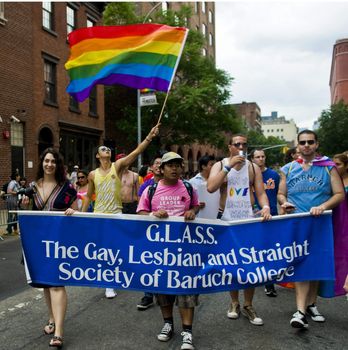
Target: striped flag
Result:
[138, 56]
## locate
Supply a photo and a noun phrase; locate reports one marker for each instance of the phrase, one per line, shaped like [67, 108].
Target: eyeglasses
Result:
[81, 177]
[310, 142]
[238, 144]
[104, 149]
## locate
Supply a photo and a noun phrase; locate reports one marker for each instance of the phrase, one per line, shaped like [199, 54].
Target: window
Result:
[17, 134]
[90, 23]
[210, 39]
[196, 6]
[73, 104]
[93, 102]
[210, 16]
[204, 52]
[70, 19]
[2, 13]
[50, 81]
[164, 6]
[203, 6]
[204, 29]
[47, 15]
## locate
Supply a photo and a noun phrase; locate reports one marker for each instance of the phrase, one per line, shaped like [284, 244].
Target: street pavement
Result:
[93, 322]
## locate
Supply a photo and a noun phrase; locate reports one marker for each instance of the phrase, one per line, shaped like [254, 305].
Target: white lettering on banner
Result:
[198, 235]
[96, 274]
[60, 251]
[165, 258]
[261, 275]
[288, 253]
[102, 254]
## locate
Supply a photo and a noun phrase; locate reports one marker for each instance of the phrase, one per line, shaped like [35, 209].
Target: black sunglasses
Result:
[310, 142]
[238, 144]
[81, 177]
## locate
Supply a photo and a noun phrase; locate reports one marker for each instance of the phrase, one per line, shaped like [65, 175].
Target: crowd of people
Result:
[321, 184]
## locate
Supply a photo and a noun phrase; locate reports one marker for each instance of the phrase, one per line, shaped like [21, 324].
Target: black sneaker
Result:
[270, 290]
[145, 303]
[314, 313]
[166, 332]
[299, 320]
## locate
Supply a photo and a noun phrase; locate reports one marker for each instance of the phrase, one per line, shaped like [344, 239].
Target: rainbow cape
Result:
[138, 56]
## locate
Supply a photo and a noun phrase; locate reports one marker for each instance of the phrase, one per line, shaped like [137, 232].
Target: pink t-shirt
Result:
[175, 200]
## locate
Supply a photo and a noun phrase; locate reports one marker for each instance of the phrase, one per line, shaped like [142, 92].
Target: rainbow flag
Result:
[138, 56]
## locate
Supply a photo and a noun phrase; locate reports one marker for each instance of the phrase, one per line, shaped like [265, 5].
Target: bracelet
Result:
[148, 140]
[266, 206]
[151, 214]
[226, 169]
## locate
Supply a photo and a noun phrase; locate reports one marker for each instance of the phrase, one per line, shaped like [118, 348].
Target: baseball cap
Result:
[167, 157]
[76, 166]
[120, 155]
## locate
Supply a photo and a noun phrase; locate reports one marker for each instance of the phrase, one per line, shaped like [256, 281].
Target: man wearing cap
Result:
[240, 174]
[105, 182]
[179, 203]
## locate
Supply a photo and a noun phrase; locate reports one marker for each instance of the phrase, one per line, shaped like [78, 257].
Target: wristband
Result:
[151, 214]
[148, 140]
[226, 169]
[266, 206]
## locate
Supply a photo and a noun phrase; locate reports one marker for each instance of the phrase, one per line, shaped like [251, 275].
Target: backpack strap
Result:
[189, 189]
[151, 191]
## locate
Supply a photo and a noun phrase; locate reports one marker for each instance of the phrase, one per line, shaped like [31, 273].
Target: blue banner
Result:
[173, 256]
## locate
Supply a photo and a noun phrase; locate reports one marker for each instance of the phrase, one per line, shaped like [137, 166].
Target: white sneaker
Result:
[110, 293]
[313, 311]
[187, 343]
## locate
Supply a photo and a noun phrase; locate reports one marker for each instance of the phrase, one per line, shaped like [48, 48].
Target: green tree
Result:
[333, 129]
[274, 155]
[196, 109]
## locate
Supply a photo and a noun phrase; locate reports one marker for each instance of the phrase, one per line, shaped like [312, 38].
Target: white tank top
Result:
[238, 205]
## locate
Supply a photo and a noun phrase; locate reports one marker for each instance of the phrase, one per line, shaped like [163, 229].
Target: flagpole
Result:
[139, 126]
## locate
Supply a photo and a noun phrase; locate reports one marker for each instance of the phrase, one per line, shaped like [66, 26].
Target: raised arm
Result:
[125, 162]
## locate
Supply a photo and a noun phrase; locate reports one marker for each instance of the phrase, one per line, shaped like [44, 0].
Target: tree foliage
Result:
[196, 109]
[333, 129]
[275, 155]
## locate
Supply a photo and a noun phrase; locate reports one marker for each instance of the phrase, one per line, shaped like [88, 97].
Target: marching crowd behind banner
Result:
[174, 256]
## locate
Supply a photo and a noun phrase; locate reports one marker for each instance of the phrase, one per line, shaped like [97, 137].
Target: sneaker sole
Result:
[251, 321]
[297, 324]
[163, 339]
[142, 307]
[187, 347]
[233, 317]
[318, 321]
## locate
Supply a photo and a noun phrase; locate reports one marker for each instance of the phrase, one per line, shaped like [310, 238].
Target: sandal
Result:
[56, 342]
[49, 328]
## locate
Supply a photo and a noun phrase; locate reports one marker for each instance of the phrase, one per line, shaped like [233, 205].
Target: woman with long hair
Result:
[53, 192]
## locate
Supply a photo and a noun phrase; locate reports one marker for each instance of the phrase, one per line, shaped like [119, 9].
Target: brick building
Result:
[35, 110]
[250, 112]
[339, 72]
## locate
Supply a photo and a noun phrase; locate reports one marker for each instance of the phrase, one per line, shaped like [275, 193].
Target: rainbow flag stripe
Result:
[138, 56]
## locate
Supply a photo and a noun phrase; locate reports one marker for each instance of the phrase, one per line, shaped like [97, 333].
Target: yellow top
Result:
[108, 192]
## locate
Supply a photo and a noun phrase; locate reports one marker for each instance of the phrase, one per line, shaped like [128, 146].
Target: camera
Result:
[29, 191]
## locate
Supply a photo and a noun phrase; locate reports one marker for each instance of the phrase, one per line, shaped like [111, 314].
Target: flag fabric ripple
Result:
[138, 56]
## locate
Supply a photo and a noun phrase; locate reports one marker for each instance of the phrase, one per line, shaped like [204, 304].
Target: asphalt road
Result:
[94, 322]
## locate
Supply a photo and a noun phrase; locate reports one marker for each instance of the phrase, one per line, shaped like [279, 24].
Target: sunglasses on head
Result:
[303, 142]
[104, 149]
[238, 144]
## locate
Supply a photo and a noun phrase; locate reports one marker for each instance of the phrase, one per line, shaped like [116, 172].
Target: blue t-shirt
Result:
[307, 188]
[271, 183]
[147, 183]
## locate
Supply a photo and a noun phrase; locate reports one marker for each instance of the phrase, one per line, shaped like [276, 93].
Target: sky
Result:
[279, 53]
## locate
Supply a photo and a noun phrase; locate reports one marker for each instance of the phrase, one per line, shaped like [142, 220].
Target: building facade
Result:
[250, 113]
[280, 127]
[339, 72]
[35, 110]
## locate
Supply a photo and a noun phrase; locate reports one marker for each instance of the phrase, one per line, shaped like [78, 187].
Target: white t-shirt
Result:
[211, 200]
